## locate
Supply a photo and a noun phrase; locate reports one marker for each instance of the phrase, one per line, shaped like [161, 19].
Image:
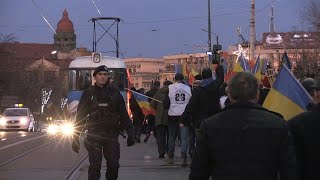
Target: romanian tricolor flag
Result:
[185, 70]
[257, 70]
[143, 103]
[192, 75]
[240, 66]
[287, 96]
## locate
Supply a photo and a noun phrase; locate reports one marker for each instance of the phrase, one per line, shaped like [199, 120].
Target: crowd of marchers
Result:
[227, 133]
[221, 126]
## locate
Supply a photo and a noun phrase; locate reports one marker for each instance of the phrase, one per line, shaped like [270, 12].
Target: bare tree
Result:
[6, 43]
[7, 38]
[311, 14]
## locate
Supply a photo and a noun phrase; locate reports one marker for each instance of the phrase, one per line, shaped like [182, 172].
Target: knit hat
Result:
[178, 77]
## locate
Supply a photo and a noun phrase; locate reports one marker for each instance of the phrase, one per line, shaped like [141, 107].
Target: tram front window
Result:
[82, 79]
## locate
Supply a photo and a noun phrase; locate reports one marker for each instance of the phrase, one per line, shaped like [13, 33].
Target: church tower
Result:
[65, 39]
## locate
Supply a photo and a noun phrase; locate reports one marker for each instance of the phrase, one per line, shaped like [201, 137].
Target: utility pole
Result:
[272, 28]
[252, 31]
[209, 27]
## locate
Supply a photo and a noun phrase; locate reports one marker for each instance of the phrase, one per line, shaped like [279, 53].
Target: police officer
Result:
[102, 109]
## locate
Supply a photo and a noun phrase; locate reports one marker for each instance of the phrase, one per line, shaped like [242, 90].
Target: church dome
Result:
[65, 24]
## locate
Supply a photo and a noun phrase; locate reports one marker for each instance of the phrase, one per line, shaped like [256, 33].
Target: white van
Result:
[17, 119]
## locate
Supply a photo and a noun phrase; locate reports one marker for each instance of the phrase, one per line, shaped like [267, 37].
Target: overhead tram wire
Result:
[96, 7]
[45, 19]
[131, 23]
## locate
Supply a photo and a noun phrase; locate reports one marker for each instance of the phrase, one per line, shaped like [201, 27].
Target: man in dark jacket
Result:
[137, 116]
[204, 102]
[161, 118]
[244, 140]
[103, 111]
[305, 130]
[151, 118]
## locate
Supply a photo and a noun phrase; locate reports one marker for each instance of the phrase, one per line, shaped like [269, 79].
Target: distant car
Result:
[17, 119]
[63, 127]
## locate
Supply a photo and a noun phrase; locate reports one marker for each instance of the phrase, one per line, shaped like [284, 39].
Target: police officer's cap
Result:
[100, 68]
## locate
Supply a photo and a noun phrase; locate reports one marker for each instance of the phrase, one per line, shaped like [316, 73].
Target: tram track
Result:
[75, 170]
[25, 153]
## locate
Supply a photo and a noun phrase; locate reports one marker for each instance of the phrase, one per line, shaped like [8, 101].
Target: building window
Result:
[137, 85]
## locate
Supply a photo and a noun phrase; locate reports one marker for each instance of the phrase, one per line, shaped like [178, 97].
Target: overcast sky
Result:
[151, 28]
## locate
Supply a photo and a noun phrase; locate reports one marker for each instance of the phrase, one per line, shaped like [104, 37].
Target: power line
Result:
[131, 23]
[45, 19]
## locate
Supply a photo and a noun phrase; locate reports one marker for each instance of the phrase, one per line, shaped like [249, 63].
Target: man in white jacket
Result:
[178, 98]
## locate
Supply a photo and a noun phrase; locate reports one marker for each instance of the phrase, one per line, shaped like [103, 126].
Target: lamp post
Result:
[217, 37]
[209, 27]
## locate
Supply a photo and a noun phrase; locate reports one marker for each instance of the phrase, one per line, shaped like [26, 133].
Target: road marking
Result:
[20, 142]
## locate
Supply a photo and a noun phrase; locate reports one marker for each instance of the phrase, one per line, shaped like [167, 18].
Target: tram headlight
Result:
[53, 129]
[67, 129]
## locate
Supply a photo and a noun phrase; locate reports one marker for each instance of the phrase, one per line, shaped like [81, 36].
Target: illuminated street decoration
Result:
[63, 102]
[45, 98]
[241, 52]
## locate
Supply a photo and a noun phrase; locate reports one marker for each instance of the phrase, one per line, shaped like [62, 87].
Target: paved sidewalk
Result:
[141, 162]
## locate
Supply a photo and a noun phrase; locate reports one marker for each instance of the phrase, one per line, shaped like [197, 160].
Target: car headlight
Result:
[68, 129]
[23, 121]
[52, 129]
[3, 121]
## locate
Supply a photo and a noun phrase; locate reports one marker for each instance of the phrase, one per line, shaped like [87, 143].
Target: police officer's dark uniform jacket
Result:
[103, 111]
[243, 142]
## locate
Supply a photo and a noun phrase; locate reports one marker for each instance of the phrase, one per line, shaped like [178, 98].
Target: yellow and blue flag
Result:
[287, 96]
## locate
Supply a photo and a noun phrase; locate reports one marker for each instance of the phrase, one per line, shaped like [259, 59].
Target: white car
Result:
[17, 119]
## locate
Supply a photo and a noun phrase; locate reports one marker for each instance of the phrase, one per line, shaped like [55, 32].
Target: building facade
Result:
[144, 71]
[198, 61]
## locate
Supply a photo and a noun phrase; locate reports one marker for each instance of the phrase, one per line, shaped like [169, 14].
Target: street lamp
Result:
[217, 37]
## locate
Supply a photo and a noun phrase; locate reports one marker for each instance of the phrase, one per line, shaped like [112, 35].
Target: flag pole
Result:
[143, 95]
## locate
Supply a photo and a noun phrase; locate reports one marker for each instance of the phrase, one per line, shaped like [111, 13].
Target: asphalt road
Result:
[37, 156]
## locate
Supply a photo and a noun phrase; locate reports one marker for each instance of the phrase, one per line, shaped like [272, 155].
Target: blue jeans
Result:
[184, 133]
[173, 125]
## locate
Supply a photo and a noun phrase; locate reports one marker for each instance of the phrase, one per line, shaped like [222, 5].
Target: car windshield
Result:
[15, 112]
